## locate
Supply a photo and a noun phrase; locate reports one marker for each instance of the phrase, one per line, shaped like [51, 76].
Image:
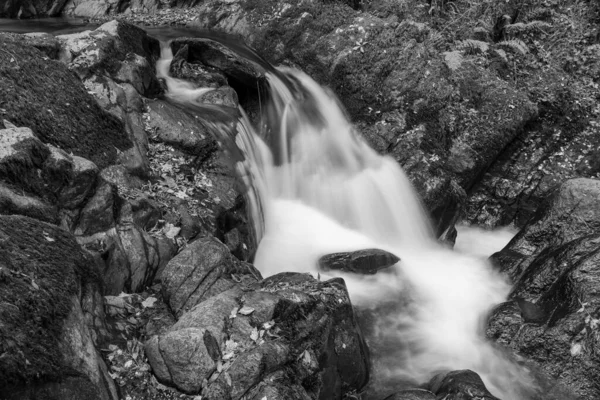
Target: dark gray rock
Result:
[367, 261]
[412, 394]
[551, 315]
[460, 385]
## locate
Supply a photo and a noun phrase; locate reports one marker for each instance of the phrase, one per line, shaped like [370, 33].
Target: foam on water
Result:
[315, 187]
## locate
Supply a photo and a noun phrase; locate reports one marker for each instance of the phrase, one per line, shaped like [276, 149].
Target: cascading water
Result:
[316, 187]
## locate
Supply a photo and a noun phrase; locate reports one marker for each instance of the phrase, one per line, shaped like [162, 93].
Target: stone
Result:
[98, 214]
[367, 261]
[176, 127]
[549, 316]
[458, 385]
[45, 338]
[188, 277]
[201, 75]
[45, 96]
[11, 202]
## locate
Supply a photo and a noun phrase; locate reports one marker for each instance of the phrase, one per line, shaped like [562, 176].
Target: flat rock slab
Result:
[367, 261]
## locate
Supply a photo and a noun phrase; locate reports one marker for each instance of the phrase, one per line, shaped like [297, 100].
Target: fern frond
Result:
[502, 54]
[453, 59]
[514, 45]
[539, 13]
[437, 39]
[472, 46]
[521, 27]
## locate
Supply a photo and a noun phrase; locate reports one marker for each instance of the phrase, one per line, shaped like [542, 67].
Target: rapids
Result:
[316, 187]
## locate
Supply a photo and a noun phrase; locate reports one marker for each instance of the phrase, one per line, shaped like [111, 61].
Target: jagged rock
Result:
[460, 385]
[44, 95]
[550, 318]
[201, 75]
[412, 394]
[101, 8]
[98, 214]
[367, 261]
[115, 49]
[318, 343]
[174, 126]
[237, 69]
[201, 270]
[45, 340]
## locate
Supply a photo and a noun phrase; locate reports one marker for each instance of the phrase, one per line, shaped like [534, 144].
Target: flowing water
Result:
[316, 187]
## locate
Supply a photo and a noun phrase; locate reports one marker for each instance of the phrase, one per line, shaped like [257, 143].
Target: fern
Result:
[521, 27]
[502, 54]
[453, 59]
[539, 13]
[437, 39]
[514, 45]
[473, 46]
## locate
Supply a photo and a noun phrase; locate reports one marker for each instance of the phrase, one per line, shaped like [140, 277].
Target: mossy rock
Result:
[44, 95]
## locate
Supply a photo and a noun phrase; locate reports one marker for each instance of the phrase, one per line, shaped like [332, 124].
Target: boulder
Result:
[102, 8]
[47, 345]
[116, 49]
[460, 385]
[367, 261]
[550, 318]
[172, 125]
[43, 95]
[286, 337]
[201, 270]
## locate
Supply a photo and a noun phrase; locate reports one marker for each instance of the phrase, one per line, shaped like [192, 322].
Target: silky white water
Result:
[315, 187]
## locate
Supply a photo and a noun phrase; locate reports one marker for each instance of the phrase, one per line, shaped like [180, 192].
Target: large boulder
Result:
[445, 124]
[45, 96]
[292, 337]
[551, 316]
[202, 270]
[47, 346]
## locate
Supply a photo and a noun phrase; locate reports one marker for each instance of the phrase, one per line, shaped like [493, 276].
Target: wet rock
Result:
[237, 69]
[549, 318]
[412, 394]
[174, 126]
[188, 278]
[367, 261]
[460, 385]
[45, 338]
[98, 214]
[101, 8]
[201, 75]
[44, 95]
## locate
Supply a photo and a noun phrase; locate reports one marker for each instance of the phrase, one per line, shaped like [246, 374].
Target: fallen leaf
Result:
[246, 310]
[149, 302]
[233, 313]
[128, 364]
[268, 325]
[228, 356]
[35, 286]
[219, 366]
[254, 334]
[171, 230]
[228, 379]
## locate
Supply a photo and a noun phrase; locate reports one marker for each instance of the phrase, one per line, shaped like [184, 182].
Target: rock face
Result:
[367, 261]
[551, 318]
[288, 337]
[44, 95]
[30, 8]
[460, 385]
[43, 280]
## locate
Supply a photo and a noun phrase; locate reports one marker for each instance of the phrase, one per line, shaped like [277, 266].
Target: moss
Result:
[42, 268]
[44, 95]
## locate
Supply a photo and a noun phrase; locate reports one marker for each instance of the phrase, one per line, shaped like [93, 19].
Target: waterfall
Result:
[316, 187]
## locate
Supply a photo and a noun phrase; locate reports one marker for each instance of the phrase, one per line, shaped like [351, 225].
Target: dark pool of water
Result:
[55, 26]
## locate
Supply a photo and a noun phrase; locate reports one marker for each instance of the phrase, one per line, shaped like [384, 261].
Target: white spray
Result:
[322, 189]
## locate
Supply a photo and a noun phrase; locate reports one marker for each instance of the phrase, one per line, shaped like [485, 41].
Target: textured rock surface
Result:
[460, 385]
[44, 95]
[262, 339]
[367, 261]
[43, 274]
[551, 316]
